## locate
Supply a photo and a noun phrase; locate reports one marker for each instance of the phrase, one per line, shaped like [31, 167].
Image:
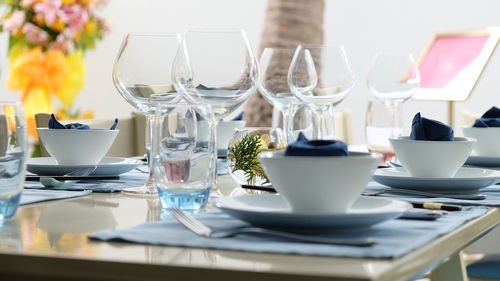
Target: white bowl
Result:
[321, 185]
[225, 131]
[487, 140]
[432, 159]
[77, 147]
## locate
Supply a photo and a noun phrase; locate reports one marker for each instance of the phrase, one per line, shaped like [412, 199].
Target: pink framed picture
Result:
[452, 64]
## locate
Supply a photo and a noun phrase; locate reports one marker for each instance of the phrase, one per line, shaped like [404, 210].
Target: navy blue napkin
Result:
[430, 130]
[490, 118]
[305, 147]
[54, 124]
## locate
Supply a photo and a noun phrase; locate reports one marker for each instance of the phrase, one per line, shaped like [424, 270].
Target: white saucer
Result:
[467, 180]
[483, 161]
[109, 166]
[272, 211]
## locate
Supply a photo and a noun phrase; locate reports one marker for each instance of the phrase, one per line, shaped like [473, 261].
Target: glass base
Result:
[184, 199]
[216, 193]
[147, 190]
[8, 207]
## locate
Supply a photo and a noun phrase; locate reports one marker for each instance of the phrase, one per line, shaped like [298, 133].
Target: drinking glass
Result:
[13, 155]
[185, 158]
[273, 71]
[393, 78]
[142, 75]
[320, 77]
[380, 127]
[218, 69]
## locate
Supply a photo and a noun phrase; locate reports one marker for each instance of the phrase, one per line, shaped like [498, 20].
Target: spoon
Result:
[426, 194]
[52, 182]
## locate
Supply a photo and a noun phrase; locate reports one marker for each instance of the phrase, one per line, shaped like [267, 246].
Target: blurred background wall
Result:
[363, 27]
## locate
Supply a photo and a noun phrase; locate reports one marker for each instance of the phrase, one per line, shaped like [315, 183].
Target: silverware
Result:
[52, 182]
[426, 194]
[203, 230]
[141, 170]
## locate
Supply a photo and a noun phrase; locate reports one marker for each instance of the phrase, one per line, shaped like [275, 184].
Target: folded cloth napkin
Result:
[54, 124]
[430, 130]
[305, 147]
[490, 118]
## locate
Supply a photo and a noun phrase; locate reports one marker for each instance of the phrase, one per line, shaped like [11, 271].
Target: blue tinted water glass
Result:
[185, 157]
[12, 157]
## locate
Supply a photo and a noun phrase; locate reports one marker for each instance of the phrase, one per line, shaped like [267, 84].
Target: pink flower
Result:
[77, 16]
[49, 9]
[15, 21]
[34, 34]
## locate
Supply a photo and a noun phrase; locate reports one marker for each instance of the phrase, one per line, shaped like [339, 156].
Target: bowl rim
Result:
[280, 154]
[470, 127]
[45, 129]
[455, 139]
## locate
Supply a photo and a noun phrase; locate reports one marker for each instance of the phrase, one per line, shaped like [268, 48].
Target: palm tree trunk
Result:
[288, 23]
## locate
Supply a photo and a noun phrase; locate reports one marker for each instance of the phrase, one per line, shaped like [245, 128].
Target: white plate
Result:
[272, 211]
[467, 180]
[483, 161]
[109, 166]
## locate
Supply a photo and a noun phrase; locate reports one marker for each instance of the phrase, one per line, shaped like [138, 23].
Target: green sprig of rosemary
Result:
[244, 154]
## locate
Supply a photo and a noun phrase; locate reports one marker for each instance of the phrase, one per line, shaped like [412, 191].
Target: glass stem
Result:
[150, 124]
[288, 122]
[393, 107]
[320, 123]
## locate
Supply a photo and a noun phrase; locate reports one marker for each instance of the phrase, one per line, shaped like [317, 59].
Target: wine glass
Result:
[393, 78]
[218, 69]
[321, 78]
[379, 127]
[273, 71]
[142, 76]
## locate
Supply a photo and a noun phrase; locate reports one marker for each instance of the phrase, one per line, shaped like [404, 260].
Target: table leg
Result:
[453, 269]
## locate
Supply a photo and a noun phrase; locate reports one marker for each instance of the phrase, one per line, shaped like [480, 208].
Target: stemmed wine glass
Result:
[320, 77]
[273, 71]
[142, 75]
[216, 68]
[393, 79]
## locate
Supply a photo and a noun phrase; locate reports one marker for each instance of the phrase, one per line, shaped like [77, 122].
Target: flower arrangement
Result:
[47, 40]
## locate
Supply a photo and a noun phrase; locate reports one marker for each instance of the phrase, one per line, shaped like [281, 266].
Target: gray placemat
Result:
[395, 238]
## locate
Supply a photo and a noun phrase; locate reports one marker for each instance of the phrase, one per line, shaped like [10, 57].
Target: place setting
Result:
[432, 165]
[77, 160]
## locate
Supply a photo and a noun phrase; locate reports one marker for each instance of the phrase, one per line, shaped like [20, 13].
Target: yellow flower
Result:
[40, 75]
[74, 79]
[90, 27]
[58, 25]
[39, 20]
[85, 3]
[68, 2]
[77, 36]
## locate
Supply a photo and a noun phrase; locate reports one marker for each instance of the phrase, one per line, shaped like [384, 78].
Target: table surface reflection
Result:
[49, 241]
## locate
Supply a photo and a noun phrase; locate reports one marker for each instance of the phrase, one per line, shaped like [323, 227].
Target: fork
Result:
[203, 230]
[427, 194]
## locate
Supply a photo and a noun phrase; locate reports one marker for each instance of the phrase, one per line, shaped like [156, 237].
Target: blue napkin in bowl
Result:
[55, 124]
[430, 130]
[305, 147]
[490, 118]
